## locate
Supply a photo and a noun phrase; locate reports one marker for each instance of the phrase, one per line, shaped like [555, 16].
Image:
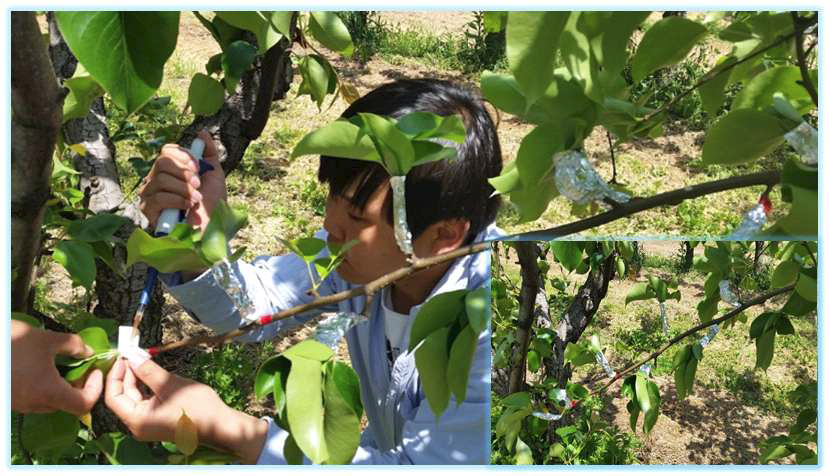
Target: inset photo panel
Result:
[654, 352]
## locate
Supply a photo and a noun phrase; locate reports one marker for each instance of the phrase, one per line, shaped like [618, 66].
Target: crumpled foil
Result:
[577, 180]
[753, 221]
[401, 227]
[230, 284]
[331, 329]
[602, 360]
[803, 139]
[645, 369]
[561, 398]
[707, 338]
[727, 295]
[664, 317]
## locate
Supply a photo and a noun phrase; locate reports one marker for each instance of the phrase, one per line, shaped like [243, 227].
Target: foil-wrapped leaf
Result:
[226, 278]
[708, 337]
[602, 360]
[401, 227]
[727, 295]
[753, 221]
[577, 180]
[803, 139]
[331, 329]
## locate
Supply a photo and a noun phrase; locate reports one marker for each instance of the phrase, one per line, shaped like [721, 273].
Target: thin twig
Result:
[801, 56]
[715, 73]
[636, 205]
[368, 289]
[612, 156]
[728, 315]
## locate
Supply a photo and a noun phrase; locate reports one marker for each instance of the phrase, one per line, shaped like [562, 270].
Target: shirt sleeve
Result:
[273, 283]
[460, 436]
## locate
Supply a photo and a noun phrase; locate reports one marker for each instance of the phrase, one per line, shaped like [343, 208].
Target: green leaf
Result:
[477, 303]
[691, 374]
[534, 159]
[517, 400]
[759, 92]
[785, 274]
[394, 147]
[309, 349]
[78, 373]
[348, 386]
[652, 414]
[123, 449]
[317, 78]
[238, 57]
[740, 136]
[642, 395]
[340, 138]
[306, 248]
[508, 181]
[78, 258]
[30, 320]
[797, 306]
[806, 285]
[707, 308]
[256, 22]
[639, 292]
[329, 30]
[680, 364]
[765, 349]
[667, 42]
[305, 405]
[804, 419]
[712, 92]
[138, 45]
[523, 453]
[784, 326]
[568, 253]
[49, 433]
[293, 455]
[634, 410]
[223, 225]
[431, 359]
[341, 423]
[532, 201]
[532, 41]
[460, 362]
[83, 90]
[271, 378]
[759, 324]
[439, 311]
[577, 354]
[533, 361]
[426, 125]
[166, 253]
[773, 452]
[611, 40]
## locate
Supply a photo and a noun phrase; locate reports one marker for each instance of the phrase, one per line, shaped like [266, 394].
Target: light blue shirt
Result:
[402, 428]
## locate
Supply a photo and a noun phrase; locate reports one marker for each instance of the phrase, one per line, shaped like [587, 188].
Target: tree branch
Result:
[798, 30]
[418, 265]
[801, 56]
[728, 315]
[636, 205]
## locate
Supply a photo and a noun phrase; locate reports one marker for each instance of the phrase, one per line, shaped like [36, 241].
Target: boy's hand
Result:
[154, 418]
[36, 384]
[174, 182]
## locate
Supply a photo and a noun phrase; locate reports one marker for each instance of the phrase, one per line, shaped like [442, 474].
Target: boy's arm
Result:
[271, 283]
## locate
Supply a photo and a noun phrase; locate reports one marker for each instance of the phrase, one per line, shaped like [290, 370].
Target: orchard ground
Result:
[734, 407]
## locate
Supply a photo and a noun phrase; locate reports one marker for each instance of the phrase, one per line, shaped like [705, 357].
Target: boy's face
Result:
[377, 253]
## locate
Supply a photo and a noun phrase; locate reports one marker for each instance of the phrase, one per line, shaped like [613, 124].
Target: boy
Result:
[449, 204]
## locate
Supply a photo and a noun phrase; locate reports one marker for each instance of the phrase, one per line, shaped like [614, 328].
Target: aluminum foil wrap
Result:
[803, 139]
[753, 221]
[561, 398]
[331, 329]
[663, 315]
[602, 360]
[230, 284]
[645, 369]
[577, 180]
[708, 337]
[401, 227]
[727, 295]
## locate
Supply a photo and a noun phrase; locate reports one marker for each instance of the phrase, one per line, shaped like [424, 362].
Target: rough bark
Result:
[37, 108]
[244, 114]
[100, 182]
[688, 256]
[528, 253]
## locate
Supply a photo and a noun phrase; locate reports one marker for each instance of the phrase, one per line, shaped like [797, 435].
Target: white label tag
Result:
[128, 346]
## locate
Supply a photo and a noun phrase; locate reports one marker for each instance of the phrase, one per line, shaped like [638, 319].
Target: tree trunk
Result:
[528, 253]
[688, 257]
[245, 114]
[101, 184]
[37, 109]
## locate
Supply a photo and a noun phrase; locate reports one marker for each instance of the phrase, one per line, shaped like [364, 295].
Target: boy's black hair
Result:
[435, 191]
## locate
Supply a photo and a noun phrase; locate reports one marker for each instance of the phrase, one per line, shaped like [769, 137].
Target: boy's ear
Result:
[448, 235]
